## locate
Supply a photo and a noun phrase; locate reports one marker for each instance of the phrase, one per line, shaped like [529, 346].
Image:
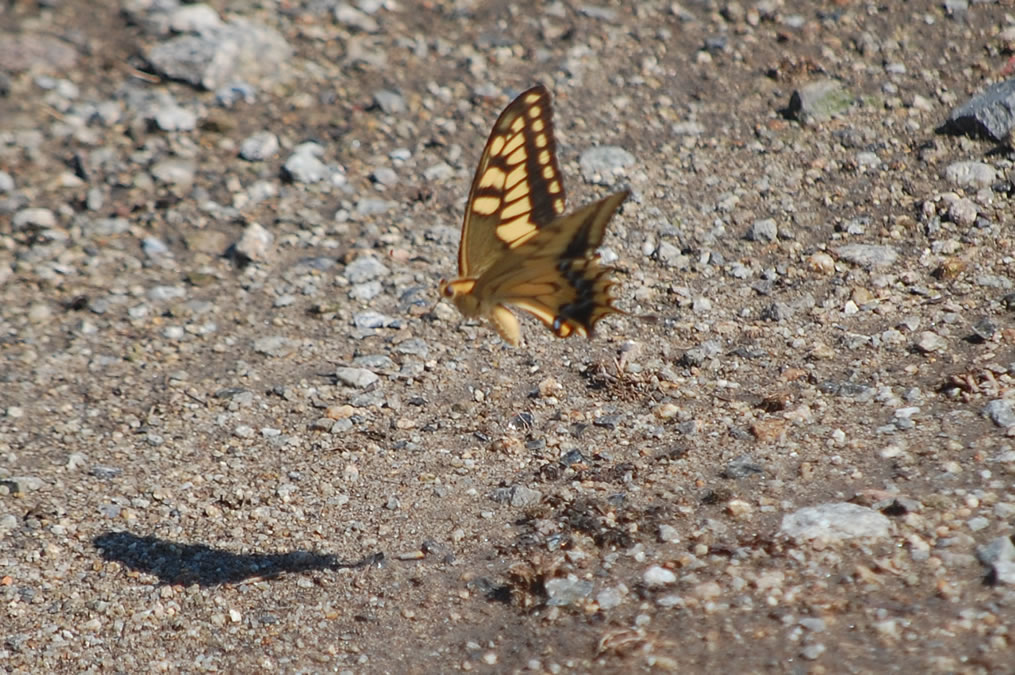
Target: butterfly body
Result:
[518, 248]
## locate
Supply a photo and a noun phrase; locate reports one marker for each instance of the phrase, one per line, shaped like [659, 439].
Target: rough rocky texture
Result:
[236, 434]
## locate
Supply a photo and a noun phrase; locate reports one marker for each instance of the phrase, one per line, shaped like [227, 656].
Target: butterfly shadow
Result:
[175, 563]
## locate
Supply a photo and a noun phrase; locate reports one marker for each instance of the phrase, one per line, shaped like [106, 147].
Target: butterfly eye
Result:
[447, 290]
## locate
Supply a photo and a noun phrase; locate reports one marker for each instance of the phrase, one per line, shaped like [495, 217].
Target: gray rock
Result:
[963, 211]
[107, 227]
[813, 651]
[366, 291]
[688, 128]
[259, 146]
[765, 231]
[347, 15]
[523, 497]
[929, 342]
[819, 101]
[374, 362]
[238, 50]
[413, 347]
[956, 7]
[233, 93]
[166, 293]
[39, 312]
[1001, 412]
[814, 624]
[33, 49]
[255, 243]
[608, 598]
[668, 534]
[154, 247]
[194, 19]
[390, 102]
[372, 207]
[275, 346]
[8, 523]
[970, 174]
[175, 118]
[696, 356]
[742, 467]
[174, 171]
[370, 319]
[95, 199]
[601, 13]
[835, 522]
[671, 255]
[990, 113]
[994, 281]
[562, 592]
[304, 167]
[18, 485]
[701, 305]
[438, 172]
[600, 165]
[365, 268]
[6, 182]
[261, 190]
[656, 576]
[867, 160]
[63, 88]
[999, 553]
[34, 217]
[984, 328]
[360, 378]
[869, 256]
[608, 421]
[244, 431]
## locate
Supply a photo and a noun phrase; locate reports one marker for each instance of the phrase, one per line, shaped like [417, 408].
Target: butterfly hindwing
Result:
[517, 188]
[556, 275]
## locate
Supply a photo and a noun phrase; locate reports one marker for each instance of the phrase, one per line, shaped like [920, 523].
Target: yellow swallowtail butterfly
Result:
[518, 248]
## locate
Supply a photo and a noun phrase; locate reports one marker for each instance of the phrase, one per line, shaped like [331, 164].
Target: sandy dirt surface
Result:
[236, 435]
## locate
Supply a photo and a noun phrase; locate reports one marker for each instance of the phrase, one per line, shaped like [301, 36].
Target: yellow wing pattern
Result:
[517, 188]
[517, 247]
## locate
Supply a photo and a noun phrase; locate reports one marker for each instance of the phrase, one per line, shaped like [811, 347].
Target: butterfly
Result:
[517, 247]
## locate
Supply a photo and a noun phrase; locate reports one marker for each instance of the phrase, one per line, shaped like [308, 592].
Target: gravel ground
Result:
[236, 435]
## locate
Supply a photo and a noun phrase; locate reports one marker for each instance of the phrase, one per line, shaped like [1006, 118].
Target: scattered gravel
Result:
[232, 411]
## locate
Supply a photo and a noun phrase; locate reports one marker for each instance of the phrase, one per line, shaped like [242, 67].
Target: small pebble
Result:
[602, 164]
[658, 576]
[259, 147]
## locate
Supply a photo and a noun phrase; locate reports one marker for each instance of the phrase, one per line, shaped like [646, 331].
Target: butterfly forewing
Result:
[517, 188]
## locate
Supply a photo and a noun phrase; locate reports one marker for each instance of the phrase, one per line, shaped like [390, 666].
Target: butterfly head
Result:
[459, 291]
